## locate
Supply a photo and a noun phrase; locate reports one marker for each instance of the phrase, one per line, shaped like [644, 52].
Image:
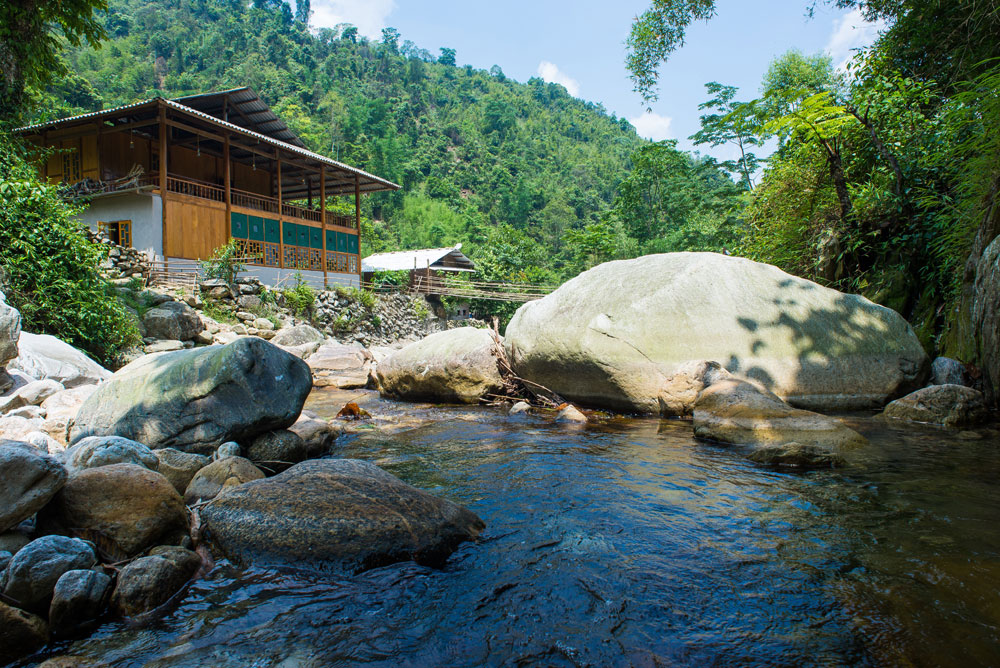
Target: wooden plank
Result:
[281, 216]
[162, 128]
[195, 227]
[357, 217]
[227, 177]
[322, 217]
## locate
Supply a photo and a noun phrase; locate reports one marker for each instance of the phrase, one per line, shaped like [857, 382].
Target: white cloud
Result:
[551, 73]
[368, 15]
[851, 32]
[652, 126]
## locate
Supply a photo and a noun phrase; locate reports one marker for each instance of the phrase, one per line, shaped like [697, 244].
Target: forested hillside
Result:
[525, 175]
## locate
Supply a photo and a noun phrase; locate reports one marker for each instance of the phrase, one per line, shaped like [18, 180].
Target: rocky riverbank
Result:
[122, 487]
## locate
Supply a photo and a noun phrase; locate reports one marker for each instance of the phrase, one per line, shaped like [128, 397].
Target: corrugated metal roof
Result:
[242, 102]
[297, 148]
[418, 259]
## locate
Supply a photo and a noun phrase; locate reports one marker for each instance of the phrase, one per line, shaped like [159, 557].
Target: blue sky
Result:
[581, 45]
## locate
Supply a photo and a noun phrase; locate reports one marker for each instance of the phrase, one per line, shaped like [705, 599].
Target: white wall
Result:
[271, 276]
[143, 209]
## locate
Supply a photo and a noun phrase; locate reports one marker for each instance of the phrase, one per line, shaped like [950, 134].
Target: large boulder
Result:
[34, 571]
[195, 400]
[172, 320]
[457, 365]
[337, 365]
[221, 474]
[66, 404]
[149, 582]
[94, 451]
[297, 336]
[985, 320]
[128, 507]
[948, 371]
[42, 356]
[613, 335]
[79, 597]
[30, 478]
[948, 405]
[735, 411]
[337, 515]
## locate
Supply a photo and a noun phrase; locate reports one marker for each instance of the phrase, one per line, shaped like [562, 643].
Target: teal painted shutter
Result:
[315, 237]
[238, 225]
[290, 232]
[271, 235]
[256, 225]
[352, 243]
[302, 236]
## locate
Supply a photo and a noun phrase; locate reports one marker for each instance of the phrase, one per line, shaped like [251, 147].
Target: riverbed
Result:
[626, 543]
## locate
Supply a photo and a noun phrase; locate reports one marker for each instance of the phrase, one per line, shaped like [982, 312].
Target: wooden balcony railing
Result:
[247, 200]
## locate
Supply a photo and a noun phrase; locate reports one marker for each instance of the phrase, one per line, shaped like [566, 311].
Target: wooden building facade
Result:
[182, 177]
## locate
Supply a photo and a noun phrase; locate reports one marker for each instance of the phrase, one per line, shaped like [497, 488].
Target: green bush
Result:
[223, 263]
[301, 298]
[51, 267]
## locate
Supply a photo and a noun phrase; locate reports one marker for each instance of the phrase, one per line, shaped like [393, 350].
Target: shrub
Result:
[301, 298]
[223, 263]
[51, 268]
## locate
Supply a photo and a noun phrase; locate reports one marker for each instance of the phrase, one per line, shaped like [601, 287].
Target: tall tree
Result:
[732, 123]
[30, 46]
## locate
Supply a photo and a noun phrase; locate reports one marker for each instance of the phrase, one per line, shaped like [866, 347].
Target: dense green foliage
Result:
[884, 171]
[50, 268]
[29, 44]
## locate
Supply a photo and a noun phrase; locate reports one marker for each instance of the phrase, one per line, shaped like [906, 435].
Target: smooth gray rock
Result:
[180, 467]
[220, 475]
[338, 515]
[948, 405]
[228, 449]
[195, 400]
[32, 394]
[735, 411]
[32, 574]
[297, 336]
[79, 597]
[172, 320]
[30, 478]
[13, 541]
[94, 451]
[946, 371]
[149, 582]
[451, 366]
[42, 356]
[5, 558]
[797, 455]
[613, 335]
[519, 408]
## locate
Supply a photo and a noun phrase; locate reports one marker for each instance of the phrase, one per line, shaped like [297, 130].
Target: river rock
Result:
[219, 475]
[302, 351]
[797, 455]
[570, 413]
[29, 412]
[128, 505]
[613, 335]
[317, 434]
[948, 405]
[94, 451]
[79, 597]
[337, 365]
[13, 541]
[946, 371]
[172, 320]
[452, 366]
[681, 388]
[21, 633]
[339, 515]
[180, 467]
[5, 558]
[195, 400]
[521, 407]
[163, 346]
[32, 394]
[42, 356]
[277, 450]
[30, 478]
[229, 449]
[149, 582]
[32, 574]
[735, 411]
[297, 336]
[66, 404]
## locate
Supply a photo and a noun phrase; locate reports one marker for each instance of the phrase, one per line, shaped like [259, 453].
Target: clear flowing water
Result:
[627, 543]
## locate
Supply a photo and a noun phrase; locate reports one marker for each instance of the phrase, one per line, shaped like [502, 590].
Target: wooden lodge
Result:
[181, 177]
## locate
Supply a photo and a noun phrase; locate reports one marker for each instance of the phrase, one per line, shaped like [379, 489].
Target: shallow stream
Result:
[625, 543]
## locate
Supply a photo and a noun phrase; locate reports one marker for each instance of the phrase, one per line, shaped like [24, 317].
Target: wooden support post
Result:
[309, 191]
[227, 179]
[357, 219]
[163, 182]
[322, 217]
[281, 224]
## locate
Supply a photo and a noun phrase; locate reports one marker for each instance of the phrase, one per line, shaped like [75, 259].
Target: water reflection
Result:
[627, 543]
